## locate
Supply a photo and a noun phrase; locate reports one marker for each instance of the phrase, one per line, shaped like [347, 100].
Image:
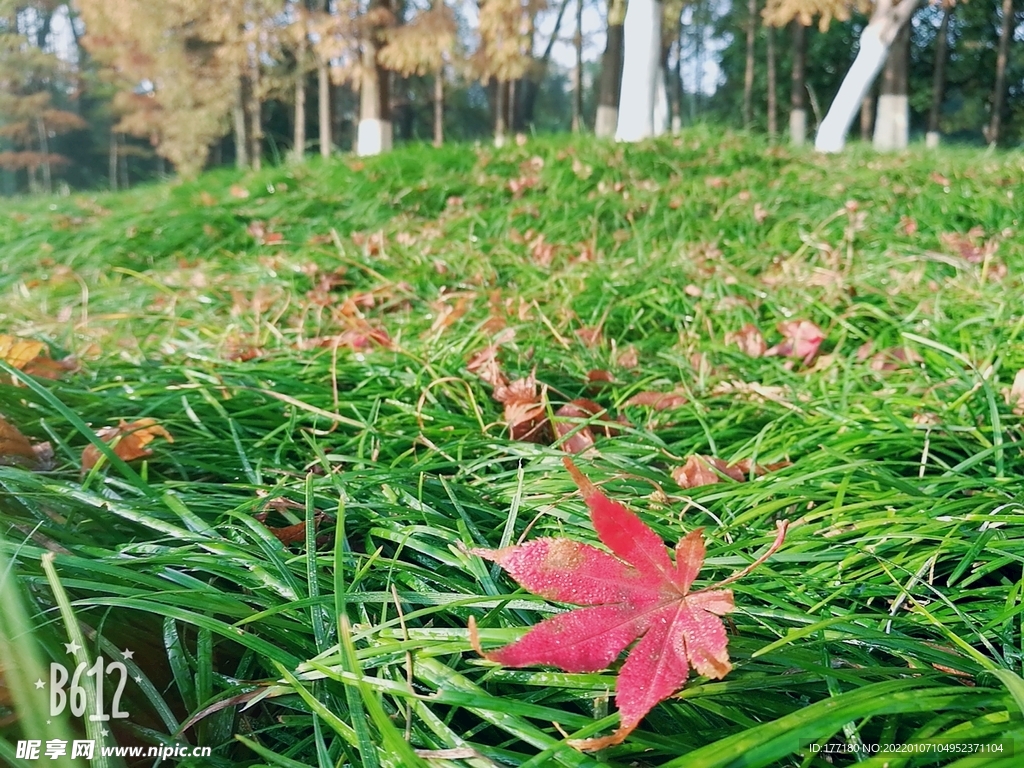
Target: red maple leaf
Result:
[635, 592]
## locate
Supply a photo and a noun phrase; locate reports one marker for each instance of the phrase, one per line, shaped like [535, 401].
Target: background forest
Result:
[95, 93]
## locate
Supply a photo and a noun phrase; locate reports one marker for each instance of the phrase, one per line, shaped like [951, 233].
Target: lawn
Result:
[292, 572]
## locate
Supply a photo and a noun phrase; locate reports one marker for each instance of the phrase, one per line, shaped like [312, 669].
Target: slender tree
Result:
[422, 46]
[375, 130]
[748, 73]
[892, 117]
[610, 79]
[938, 79]
[642, 74]
[300, 41]
[577, 96]
[798, 85]
[773, 101]
[999, 89]
[536, 71]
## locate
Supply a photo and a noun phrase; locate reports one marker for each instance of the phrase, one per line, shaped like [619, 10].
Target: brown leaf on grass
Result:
[525, 410]
[892, 359]
[628, 357]
[659, 401]
[16, 449]
[589, 336]
[18, 353]
[938, 178]
[760, 213]
[262, 233]
[485, 365]
[32, 358]
[908, 225]
[701, 470]
[372, 244]
[128, 441]
[567, 420]
[238, 192]
[801, 340]
[541, 251]
[599, 377]
[748, 339]
[755, 392]
[290, 534]
[1015, 394]
[972, 247]
[447, 313]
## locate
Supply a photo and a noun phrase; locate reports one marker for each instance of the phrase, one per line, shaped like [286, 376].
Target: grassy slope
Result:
[898, 586]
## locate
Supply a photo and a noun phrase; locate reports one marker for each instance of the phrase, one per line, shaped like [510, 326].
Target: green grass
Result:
[892, 614]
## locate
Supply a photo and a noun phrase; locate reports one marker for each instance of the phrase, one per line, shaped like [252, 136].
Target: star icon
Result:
[126, 654]
[40, 685]
[105, 732]
[72, 647]
[138, 679]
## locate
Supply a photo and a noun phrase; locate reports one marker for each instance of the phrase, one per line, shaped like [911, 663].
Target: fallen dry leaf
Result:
[589, 336]
[16, 449]
[628, 357]
[290, 534]
[748, 339]
[128, 441]
[659, 401]
[801, 339]
[697, 471]
[18, 353]
[525, 410]
[701, 470]
[972, 247]
[635, 592]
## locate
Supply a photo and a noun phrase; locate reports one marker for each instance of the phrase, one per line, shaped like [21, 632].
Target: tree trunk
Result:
[44, 149]
[530, 86]
[611, 72]
[938, 80]
[112, 161]
[323, 95]
[577, 96]
[238, 119]
[122, 163]
[773, 100]
[439, 107]
[500, 106]
[641, 71]
[999, 90]
[798, 86]
[375, 130]
[748, 72]
[254, 112]
[299, 127]
[886, 21]
[893, 115]
[677, 79]
[867, 116]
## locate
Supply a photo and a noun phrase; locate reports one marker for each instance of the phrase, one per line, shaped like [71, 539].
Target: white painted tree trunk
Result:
[661, 105]
[798, 126]
[374, 137]
[892, 122]
[641, 72]
[607, 120]
[886, 21]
